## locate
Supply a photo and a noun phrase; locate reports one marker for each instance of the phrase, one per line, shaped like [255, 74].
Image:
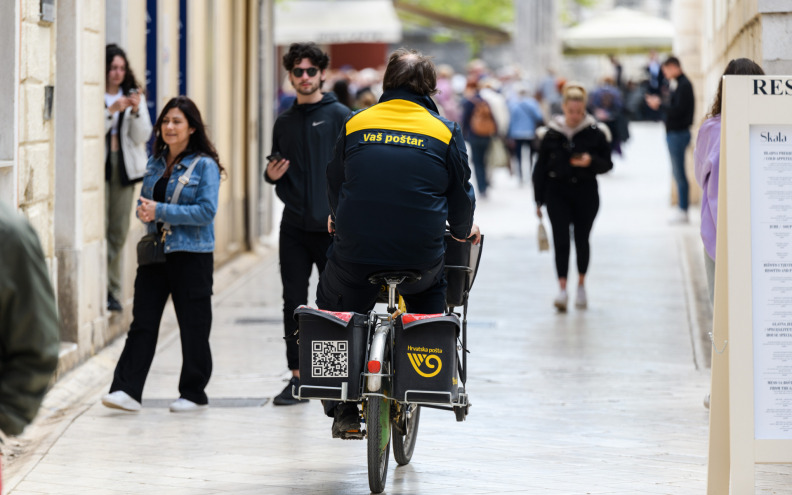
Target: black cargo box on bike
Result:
[425, 358]
[461, 265]
[332, 351]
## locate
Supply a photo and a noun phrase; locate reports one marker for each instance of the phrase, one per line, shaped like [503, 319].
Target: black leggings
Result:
[573, 204]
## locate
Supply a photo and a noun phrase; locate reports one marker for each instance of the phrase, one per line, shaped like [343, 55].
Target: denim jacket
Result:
[192, 218]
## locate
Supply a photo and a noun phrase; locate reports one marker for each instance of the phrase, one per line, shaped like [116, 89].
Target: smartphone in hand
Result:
[275, 157]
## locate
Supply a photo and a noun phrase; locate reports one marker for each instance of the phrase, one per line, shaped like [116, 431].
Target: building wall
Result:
[756, 29]
[35, 175]
[52, 168]
[686, 16]
[536, 42]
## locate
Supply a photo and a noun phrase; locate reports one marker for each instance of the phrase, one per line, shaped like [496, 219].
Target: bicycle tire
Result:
[378, 442]
[404, 444]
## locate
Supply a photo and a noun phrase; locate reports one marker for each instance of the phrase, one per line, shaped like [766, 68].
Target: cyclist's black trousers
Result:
[344, 286]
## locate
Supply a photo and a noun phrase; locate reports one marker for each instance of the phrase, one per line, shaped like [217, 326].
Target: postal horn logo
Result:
[430, 362]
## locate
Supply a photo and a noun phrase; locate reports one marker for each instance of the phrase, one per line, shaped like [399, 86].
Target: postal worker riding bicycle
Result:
[399, 174]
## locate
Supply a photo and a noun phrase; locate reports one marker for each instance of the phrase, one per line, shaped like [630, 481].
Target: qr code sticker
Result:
[330, 359]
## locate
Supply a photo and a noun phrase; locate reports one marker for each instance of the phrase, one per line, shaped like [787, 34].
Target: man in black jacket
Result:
[399, 173]
[302, 144]
[678, 119]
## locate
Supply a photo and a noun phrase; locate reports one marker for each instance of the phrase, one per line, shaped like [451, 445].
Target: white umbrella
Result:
[620, 30]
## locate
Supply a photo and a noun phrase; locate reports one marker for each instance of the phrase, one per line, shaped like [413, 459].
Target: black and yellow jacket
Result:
[399, 173]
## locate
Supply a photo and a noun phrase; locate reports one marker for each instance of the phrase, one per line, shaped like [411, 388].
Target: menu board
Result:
[771, 269]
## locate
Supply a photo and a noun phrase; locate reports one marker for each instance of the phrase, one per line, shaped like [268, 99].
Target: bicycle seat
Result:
[399, 276]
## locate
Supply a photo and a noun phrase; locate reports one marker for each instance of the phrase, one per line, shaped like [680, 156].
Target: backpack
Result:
[482, 123]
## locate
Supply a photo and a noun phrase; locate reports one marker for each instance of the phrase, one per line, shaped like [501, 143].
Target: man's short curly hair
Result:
[412, 70]
[299, 51]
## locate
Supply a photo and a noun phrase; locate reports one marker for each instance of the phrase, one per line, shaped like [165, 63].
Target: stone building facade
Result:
[52, 130]
[756, 29]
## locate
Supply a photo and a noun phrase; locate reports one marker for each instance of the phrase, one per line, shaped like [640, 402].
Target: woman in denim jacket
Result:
[186, 274]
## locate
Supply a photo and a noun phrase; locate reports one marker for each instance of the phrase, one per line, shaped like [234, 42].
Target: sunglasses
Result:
[298, 72]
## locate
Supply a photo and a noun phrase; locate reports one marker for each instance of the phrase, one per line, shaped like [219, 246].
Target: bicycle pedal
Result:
[353, 435]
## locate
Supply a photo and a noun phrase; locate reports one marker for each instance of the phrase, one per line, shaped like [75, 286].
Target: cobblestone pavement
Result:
[606, 400]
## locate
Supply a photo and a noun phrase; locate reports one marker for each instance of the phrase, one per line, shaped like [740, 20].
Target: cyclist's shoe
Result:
[285, 398]
[560, 301]
[346, 422]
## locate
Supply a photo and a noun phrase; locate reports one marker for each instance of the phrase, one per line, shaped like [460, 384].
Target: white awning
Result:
[336, 21]
[620, 30]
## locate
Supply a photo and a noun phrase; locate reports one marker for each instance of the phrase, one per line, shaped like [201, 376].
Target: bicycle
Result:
[395, 348]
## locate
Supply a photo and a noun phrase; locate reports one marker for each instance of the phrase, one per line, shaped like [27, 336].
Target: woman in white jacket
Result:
[127, 129]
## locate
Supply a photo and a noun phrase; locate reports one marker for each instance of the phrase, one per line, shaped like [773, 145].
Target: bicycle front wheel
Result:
[405, 433]
[378, 436]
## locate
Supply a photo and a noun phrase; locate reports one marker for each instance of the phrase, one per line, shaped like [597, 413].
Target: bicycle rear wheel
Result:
[405, 433]
[378, 441]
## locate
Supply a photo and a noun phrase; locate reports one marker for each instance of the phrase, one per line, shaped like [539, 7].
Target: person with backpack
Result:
[478, 128]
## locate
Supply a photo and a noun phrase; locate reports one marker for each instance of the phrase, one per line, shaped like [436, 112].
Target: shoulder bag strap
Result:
[183, 181]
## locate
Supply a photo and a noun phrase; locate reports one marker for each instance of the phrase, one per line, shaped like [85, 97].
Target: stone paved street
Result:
[606, 400]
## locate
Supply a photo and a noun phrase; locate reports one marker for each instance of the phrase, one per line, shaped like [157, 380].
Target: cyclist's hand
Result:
[474, 237]
[330, 225]
[475, 234]
[276, 169]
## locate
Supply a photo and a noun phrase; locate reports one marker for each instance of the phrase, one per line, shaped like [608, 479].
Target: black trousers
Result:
[299, 251]
[187, 278]
[576, 204]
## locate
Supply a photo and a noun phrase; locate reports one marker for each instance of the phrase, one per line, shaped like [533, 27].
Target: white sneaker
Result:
[580, 301]
[184, 405]
[560, 301]
[121, 400]
[679, 217]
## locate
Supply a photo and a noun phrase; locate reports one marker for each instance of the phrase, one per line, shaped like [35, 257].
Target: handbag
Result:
[544, 241]
[151, 247]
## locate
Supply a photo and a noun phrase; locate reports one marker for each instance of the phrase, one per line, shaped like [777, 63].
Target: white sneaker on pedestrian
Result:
[184, 405]
[560, 301]
[581, 302]
[121, 400]
[679, 217]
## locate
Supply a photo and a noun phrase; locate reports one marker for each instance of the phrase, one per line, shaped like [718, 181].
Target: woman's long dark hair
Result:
[738, 66]
[199, 141]
[112, 51]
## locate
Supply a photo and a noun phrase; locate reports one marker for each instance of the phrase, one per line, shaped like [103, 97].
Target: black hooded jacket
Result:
[305, 135]
[559, 143]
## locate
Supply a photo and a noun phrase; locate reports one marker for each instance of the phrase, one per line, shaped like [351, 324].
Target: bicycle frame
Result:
[379, 342]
